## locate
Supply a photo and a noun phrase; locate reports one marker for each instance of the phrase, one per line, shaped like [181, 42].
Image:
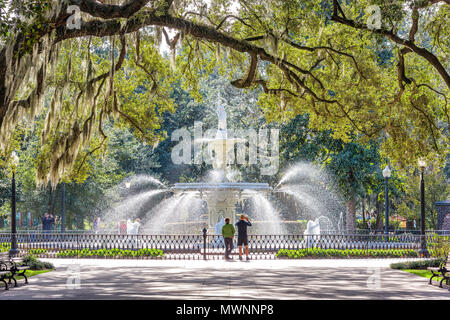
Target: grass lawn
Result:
[28, 273]
[423, 273]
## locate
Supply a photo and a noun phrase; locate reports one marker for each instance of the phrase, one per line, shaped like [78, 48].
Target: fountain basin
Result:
[234, 186]
[221, 197]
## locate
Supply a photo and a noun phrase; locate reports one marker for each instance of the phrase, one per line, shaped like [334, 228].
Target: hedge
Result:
[345, 253]
[110, 253]
[421, 264]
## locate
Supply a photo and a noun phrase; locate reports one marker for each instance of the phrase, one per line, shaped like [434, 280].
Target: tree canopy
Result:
[371, 69]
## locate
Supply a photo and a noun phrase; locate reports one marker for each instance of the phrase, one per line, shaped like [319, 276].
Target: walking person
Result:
[242, 225]
[228, 232]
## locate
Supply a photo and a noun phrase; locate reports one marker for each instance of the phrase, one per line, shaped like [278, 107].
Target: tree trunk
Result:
[379, 219]
[69, 221]
[80, 222]
[51, 202]
[363, 204]
[351, 215]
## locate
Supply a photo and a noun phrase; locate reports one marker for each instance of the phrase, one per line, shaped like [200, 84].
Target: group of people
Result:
[228, 232]
[48, 222]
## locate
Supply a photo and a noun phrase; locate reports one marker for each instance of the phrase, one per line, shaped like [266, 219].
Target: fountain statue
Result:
[312, 228]
[221, 196]
[219, 242]
[312, 232]
[219, 225]
[222, 123]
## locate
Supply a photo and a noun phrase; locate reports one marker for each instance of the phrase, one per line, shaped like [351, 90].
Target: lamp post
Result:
[14, 162]
[386, 175]
[423, 251]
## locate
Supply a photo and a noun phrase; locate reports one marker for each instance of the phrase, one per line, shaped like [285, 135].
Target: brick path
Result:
[280, 279]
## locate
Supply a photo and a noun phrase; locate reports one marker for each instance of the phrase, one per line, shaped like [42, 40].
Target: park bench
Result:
[11, 267]
[3, 277]
[443, 270]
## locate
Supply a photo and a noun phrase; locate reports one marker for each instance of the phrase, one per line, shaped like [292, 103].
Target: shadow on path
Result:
[179, 282]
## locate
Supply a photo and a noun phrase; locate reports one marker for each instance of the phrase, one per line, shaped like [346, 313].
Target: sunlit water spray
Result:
[313, 191]
[268, 219]
[168, 210]
[143, 181]
[130, 208]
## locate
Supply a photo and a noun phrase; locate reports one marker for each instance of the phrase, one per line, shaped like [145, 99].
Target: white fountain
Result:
[221, 196]
[187, 208]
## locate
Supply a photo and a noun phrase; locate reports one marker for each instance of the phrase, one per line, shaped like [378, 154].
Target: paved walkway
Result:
[280, 279]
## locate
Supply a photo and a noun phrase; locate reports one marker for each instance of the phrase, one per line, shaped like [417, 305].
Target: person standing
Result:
[47, 222]
[228, 232]
[52, 222]
[242, 225]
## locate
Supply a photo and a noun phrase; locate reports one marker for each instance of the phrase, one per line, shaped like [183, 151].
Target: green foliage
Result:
[416, 265]
[36, 252]
[439, 246]
[345, 253]
[436, 189]
[4, 247]
[110, 253]
[393, 224]
[347, 79]
[5, 209]
[35, 264]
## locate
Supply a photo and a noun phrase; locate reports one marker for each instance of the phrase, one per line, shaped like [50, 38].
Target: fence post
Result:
[204, 243]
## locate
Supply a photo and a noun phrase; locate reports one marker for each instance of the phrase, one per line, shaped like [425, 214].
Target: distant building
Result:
[443, 215]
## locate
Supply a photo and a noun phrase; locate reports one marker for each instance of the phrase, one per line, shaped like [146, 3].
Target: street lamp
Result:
[423, 251]
[386, 175]
[14, 162]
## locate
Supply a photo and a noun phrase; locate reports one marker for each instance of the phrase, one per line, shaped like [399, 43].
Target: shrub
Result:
[36, 264]
[438, 246]
[110, 253]
[345, 253]
[37, 251]
[5, 247]
[421, 264]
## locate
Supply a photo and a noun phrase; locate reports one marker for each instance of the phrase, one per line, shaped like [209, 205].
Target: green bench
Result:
[11, 267]
[442, 271]
[3, 277]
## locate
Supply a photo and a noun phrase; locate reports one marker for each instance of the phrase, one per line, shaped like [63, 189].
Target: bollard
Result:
[204, 243]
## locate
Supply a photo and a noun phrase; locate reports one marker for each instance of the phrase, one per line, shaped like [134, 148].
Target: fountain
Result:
[222, 195]
[187, 208]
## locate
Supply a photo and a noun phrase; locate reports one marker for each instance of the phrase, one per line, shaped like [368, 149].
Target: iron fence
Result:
[208, 246]
[331, 232]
